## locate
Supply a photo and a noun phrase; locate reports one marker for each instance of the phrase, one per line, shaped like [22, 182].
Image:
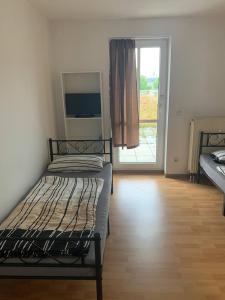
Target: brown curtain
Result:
[123, 93]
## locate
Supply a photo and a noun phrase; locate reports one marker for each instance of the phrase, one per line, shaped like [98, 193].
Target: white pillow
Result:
[76, 163]
[219, 156]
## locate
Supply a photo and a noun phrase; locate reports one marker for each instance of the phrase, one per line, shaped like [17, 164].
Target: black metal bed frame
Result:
[66, 147]
[207, 142]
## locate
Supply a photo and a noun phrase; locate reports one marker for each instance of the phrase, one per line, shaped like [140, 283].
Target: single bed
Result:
[88, 267]
[207, 164]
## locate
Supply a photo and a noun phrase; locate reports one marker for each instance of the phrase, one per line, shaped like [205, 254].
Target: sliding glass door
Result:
[152, 62]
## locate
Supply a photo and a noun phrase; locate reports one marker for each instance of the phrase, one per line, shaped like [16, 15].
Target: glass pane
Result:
[146, 151]
[149, 83]
[148, 109]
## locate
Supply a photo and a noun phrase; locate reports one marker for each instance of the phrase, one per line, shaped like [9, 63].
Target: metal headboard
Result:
[211, 140]
[85, 147]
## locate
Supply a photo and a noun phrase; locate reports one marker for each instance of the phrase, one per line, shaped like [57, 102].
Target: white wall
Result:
[197, 67]
[26, 108]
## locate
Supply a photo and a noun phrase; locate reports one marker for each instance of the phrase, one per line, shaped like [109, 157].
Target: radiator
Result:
[213, 124]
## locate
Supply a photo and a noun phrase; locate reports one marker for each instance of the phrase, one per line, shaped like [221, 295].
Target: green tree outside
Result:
[155, 84]
[144, 85]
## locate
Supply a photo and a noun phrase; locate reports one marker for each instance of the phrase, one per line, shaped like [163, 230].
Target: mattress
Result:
[102, 213]
[210, 167]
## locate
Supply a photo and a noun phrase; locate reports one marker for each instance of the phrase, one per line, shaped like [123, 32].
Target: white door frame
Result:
[163, 44]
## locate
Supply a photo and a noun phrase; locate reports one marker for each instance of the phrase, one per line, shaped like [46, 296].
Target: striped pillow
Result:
[219, 156]
[76, 163]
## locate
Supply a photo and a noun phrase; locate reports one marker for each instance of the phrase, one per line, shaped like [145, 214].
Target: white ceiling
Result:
[115, 9]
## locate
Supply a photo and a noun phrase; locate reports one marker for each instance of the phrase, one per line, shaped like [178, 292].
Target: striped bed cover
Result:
[56, 210]
[221, 169]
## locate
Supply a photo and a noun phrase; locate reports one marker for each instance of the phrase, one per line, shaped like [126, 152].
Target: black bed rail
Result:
[97, 266]
[80, 146]
[74, 239]
[95, 238]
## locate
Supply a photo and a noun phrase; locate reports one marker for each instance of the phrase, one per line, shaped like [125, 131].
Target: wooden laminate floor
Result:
[167, 242]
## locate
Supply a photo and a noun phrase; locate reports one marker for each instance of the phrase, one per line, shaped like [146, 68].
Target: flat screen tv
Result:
[83, 105]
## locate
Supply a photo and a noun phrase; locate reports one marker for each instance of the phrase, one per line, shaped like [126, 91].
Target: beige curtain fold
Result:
[123, 93]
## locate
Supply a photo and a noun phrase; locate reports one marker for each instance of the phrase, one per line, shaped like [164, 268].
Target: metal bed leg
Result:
[108, 228]
[201, 145]
[112, 185]
[198, 175]
[224, 205]
[98, 266]
[99, 288]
